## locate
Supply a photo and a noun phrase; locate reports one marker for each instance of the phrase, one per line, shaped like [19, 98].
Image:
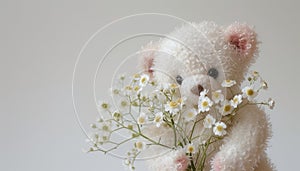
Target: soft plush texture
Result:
[192, 51]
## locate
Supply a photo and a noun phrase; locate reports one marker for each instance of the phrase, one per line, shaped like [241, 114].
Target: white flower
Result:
[142, 119]
[209, 121]
[128, 90]
[219, 129]
[139, 145]
[217, 96]
[103, 106]
[226, 108]
[271, 103]
[228, 83]
[123, 105]
[204, 93]
[114, 91]
[117, 115]
[158, 119]
[190, 148]
[264, 85]
[106, 126]
[190, 114]
[137, 89]
[236, 100]
[144, 80]
[172, 107]
[204, 104]
[255, 74]
[249, 92]
[181, 101]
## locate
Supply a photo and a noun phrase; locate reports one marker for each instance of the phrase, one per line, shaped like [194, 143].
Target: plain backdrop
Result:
[39, 44]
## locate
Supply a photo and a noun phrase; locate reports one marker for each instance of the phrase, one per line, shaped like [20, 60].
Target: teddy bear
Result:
[198, 57]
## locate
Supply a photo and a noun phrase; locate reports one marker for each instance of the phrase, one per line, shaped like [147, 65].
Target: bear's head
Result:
[201, 56]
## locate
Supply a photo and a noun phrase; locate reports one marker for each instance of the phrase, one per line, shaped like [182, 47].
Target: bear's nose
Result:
[197, 89]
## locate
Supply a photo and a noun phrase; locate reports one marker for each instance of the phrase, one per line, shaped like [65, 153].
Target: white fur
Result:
[190, 51]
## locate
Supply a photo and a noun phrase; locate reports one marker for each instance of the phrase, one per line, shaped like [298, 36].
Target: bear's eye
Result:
[213, 72]
[179, 79]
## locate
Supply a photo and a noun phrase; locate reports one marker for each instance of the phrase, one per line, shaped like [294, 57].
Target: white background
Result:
[39, 44]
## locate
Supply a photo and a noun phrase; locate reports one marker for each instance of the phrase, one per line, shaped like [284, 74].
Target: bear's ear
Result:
[147, 58]
[241, 38]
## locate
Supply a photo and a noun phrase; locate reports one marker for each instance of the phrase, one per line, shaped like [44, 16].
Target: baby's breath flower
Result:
[255, 74]
[103, 106]
[93, 126]
[117, 115]
[190, 148]
[122, 77]
[209, 121]
[271, 103]
[249, 92]
[181, 101]
[158, 119]
[106, 126]
[144, 80]
[142, 119]
[172, 107]
[123, 105]
[115, 91]
[228, 83]
[137, 89]
[136, 76]
[226, 108]
[204, 104]
[219, 129]
[264, 85]
[217, 96]
[190, 114]
[128, 89]
[204, 93]
[139, 145]
[236, 100]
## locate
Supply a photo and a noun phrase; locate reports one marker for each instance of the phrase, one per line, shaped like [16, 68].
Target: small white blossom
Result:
[190, 114]
[271, 103]
[123, 105]
[203, 93]
[103, 106]
[255, 74]
[117, 115]
[236, 100]
[264, 85]
[142, 119]
[217, 96]
[115, 91]
[219, 129]
[204, 104]
[136, 77]
[137, 89]
[106, 126]
[158, 119]
[144, 80]
[190, 148]
[140, 145]
[209, 121]
[226, 108]
[249, 92]
[228, 83]
[172, 107]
